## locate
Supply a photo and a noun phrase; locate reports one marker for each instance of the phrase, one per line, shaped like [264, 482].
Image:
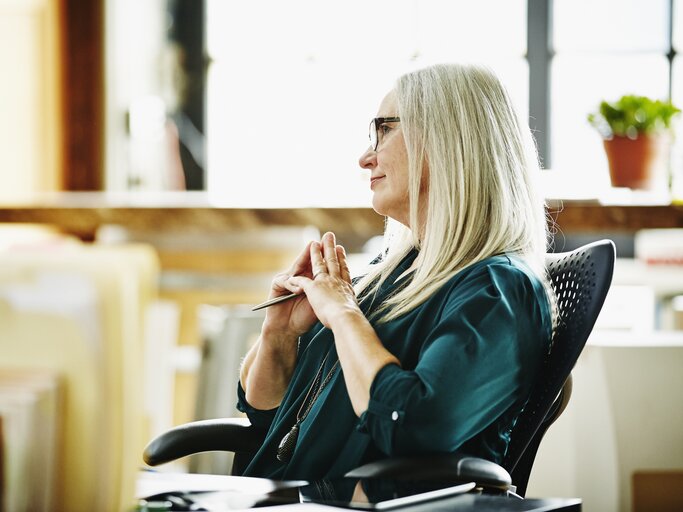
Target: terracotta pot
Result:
[637, 163]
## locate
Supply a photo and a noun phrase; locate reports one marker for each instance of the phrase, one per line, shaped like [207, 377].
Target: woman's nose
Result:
[368, 160]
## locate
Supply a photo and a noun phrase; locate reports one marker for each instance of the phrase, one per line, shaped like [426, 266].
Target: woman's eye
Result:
[384, 128]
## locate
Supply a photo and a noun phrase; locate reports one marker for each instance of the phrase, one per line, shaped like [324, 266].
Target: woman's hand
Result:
[327, 287]
[293, 317]
[331, 296]
[267, 368]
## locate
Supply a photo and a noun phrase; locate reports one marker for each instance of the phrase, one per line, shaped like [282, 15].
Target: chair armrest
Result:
[224, 434]
[448, 467]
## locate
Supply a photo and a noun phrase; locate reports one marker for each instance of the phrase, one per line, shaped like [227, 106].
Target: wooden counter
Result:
[82, 213]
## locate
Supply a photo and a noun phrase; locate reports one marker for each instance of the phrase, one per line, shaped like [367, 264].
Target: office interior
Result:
[162, 160]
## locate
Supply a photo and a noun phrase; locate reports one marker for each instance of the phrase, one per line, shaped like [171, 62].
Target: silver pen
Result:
[276, 300]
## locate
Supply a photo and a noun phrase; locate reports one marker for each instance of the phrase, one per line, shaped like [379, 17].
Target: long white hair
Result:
[482, 196]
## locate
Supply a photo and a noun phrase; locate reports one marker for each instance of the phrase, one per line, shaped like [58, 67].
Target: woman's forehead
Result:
[388, 107]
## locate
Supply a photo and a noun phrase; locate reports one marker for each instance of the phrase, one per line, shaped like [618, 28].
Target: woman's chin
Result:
[378, 206]
[381, 209]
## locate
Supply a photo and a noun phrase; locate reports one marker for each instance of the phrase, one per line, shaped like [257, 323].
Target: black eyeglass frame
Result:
[377, 122]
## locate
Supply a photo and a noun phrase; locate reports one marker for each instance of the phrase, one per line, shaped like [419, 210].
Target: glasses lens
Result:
[373, 134]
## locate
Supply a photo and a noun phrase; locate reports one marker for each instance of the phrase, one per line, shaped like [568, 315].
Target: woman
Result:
[435, 349]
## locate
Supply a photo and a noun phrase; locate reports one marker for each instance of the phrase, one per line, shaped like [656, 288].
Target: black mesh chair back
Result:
[580, 279]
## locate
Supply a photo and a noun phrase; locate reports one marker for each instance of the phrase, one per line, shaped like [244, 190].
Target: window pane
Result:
[678, 26]
[290, 95]
[576, 146]
[294, 143]
[677, 151]
[307, 30]
[466, 29]
[677, 99]
[608, 25]
[677, 83]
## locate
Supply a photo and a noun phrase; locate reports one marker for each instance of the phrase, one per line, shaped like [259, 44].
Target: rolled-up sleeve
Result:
[468, 372]
[261, 419]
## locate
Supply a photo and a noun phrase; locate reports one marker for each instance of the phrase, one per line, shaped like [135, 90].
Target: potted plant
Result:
[637, 135]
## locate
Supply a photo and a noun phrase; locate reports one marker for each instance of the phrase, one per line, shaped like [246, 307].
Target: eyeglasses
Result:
[377, 126]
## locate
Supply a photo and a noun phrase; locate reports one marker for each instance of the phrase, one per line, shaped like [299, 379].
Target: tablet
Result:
[379, 494]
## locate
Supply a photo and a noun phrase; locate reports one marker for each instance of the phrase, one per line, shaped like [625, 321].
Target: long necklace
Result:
[288, 442]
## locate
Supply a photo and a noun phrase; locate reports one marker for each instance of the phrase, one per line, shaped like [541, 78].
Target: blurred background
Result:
[180, 95]
[163, 159]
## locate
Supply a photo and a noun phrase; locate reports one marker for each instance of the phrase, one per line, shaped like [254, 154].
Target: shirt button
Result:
[394, 416]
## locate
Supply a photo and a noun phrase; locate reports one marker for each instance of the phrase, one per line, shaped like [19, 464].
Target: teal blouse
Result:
[469, 356]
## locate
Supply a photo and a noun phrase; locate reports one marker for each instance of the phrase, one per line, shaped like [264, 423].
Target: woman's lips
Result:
[375, 180]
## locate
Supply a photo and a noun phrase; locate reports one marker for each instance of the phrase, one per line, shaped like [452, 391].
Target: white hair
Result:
[482, 196]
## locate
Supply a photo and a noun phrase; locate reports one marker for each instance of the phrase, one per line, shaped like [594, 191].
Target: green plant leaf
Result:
[632, 115]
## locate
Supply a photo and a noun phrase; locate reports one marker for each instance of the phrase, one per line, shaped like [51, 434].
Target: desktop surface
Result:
[163, 491]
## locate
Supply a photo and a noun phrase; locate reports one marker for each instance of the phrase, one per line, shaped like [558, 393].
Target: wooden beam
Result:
[82, 57]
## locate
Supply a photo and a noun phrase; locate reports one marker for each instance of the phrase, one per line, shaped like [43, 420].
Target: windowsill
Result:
[563, 187]
[614, 197]
[201, 199]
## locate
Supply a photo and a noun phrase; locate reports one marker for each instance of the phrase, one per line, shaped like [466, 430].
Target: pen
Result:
[276, 300]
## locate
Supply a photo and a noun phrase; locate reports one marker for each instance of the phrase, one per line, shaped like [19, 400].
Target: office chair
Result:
[580, 279]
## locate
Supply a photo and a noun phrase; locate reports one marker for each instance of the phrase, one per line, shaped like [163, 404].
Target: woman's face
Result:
[388, 166]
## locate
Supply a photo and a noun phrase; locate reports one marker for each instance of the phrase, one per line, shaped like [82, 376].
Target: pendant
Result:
[286, 446]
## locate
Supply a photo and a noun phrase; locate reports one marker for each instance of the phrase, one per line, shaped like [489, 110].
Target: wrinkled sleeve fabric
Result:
[469, 369]
[261, 419]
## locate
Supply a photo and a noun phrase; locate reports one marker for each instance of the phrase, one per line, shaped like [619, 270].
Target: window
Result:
[293, 85]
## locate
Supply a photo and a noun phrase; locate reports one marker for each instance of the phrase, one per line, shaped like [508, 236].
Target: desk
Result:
[153, 483]
[483, 503]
